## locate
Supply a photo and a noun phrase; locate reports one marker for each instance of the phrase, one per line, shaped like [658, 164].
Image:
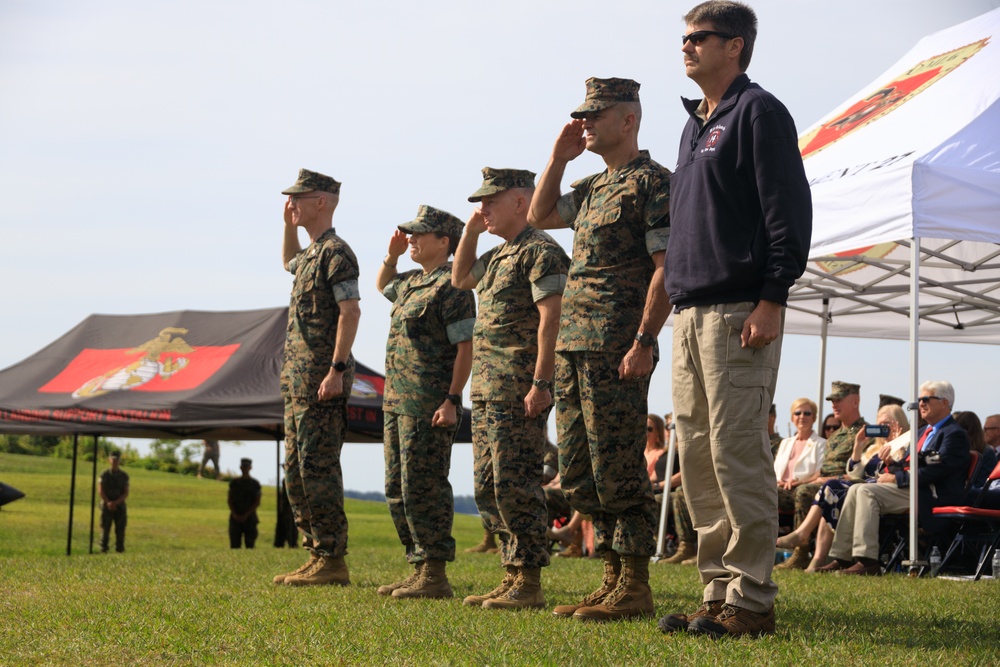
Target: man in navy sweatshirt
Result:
[741, 221]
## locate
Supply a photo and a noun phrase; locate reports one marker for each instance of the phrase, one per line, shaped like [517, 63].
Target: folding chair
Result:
[976, 524]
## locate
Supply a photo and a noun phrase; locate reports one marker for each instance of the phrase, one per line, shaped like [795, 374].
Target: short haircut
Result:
[625, 108]
[733, 18]
[941, 389]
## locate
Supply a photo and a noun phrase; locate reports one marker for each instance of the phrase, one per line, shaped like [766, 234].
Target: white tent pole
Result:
[914, 384]
[665, 505]
[825, 323]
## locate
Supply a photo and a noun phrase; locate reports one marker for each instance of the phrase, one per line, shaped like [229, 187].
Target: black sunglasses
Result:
[831, 427]
[802, 412]
[699, 36]
[928, 399]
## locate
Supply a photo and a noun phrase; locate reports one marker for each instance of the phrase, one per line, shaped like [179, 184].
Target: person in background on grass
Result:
[209, 453]
[244, 499]
[114, 489]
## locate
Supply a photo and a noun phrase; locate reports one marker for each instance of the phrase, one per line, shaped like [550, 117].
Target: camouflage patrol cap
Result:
[312, 180]
[889, 399]
[499, 180]
[430, 219]
[605, 93]
[842, 389]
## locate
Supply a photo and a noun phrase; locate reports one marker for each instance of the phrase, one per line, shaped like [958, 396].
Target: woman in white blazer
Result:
[800, 456]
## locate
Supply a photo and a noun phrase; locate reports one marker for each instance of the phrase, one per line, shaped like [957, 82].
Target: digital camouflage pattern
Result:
[505, 341]
[314, 436]
[605, 93]
[842, 389]
[602, 435]
[308, 181]
[313, 314]
[417, 490]
[682, 518]
[429, 318]
[314, 429]
[508, 450]
[838, 449]
[430, 219]
[499, 180]
[613, 216]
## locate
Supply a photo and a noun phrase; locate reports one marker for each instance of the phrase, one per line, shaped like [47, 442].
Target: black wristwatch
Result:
[645, 339]
[542, 385]
[339, 366]
[456, 399]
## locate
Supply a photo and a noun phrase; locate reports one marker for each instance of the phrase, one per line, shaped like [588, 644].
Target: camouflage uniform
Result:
[509, 447]
[429, 318]
[326, 272]
[838, 449]
[619, 218]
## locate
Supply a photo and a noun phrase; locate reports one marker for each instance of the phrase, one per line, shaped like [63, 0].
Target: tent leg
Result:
[824, 326]
[93, 496]
[914, 563]
[669, 472]
[277, 481]
[72, 497]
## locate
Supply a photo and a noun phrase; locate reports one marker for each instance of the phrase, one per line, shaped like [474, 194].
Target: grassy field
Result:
[180, 596]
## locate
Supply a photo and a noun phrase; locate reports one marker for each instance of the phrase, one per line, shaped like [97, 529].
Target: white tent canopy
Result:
[913, 155]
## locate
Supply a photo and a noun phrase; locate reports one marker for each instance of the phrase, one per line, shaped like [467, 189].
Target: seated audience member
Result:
[800, 456]
[943, 448]
[862, 465]
[655, 446]
[845, 399]
[830, 425]
[977, 443]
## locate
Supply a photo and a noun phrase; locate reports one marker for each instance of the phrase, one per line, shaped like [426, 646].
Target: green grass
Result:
[180, 596]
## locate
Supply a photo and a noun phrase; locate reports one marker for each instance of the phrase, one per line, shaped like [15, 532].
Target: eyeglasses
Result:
[928, 399]
[831, 427]
[297, 198]
[802, 413]
[699, 36]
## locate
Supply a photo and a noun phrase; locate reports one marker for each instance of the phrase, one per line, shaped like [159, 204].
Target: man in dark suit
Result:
[943, 448]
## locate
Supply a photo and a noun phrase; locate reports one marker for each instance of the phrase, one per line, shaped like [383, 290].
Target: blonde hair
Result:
[805, 401]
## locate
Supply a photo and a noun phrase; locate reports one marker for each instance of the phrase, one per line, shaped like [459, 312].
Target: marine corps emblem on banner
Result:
[149, 367]
[887, 98]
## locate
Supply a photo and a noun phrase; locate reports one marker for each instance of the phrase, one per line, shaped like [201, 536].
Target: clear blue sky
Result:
[145, 145]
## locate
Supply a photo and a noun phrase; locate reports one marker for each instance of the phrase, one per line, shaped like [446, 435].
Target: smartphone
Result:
[876, 431]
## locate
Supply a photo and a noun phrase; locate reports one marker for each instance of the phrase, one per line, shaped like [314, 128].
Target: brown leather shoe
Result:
[833, 566]
[680, 622]
[860, 569]
[735, 622]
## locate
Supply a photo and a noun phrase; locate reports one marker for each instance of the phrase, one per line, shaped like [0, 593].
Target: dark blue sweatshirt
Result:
[740, 205]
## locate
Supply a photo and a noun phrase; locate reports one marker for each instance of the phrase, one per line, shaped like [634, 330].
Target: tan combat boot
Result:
[525, 593]
[313, 560]
[685, 550]
[389, 588]
[432, 582]
[328, 570]
[488, 545]
[508, 581]
[799, 560]
[631, 597]
[612, 569]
